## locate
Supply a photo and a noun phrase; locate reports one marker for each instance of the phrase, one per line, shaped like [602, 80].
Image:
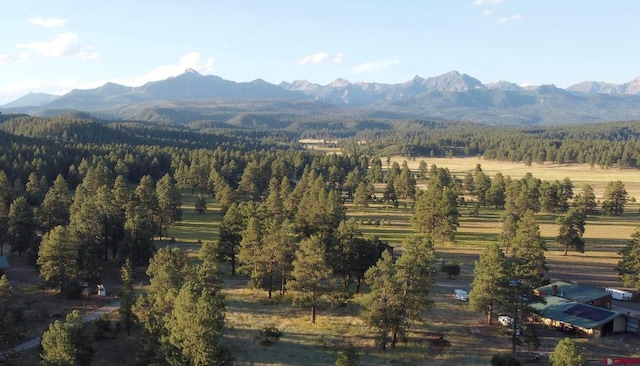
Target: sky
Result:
[56, 46]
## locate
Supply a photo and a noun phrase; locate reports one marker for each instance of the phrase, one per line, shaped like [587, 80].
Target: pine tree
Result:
[169, 202]
[436, 213]
[567, 353]
[67, 343]
[127, 296]
[528, 249]
[57, 257]
[22, 226]
[312, 277]
[195, 327]
[489, 277]
[571, 230]
[615, 198]
[55, 208]
[629, 265]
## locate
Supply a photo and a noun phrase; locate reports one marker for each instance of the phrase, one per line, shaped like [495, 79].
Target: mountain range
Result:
[191, 96]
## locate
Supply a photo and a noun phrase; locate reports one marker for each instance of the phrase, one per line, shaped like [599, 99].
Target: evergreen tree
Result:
[139, 229]
[436, 213]
[528, 250]
[200, 205]
[22, 226]
[489, 277]
[195, 327]
[571, 230]
[67, 343]
[57, 257]
[8, 316]
[312, 277]
[586, 200]
[55, 208]
[629, 265]
[230, 229]
[127, 296]
[615, 198]
[169, 202]
[4, 226]
[399, 290]
[496, 195]
[567, 353]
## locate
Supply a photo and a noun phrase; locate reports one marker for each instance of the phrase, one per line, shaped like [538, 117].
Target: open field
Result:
[578, 173]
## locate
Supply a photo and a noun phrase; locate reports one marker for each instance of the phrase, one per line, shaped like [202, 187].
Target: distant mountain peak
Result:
[191, 71]
[339, 83]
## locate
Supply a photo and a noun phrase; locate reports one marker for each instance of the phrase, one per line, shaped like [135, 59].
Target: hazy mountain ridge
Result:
[451, 96]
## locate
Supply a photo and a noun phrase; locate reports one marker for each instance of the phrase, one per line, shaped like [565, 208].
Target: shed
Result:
[4, 264]
[577, 293]
[592, 320]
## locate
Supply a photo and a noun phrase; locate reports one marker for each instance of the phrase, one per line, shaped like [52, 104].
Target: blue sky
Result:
[55, 46]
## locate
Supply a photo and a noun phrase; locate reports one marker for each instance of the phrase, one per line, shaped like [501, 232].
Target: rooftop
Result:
[574, 313]
[574, 292]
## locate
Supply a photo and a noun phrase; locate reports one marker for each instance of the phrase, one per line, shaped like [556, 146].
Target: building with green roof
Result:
[577, 293]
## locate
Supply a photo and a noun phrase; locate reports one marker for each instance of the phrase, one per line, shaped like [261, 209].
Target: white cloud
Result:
[191, 60]
[65, 44]
[49, 22]
[487, 12]
[488, 2]
[512, 18]
[5, 59]
[321, 57]
[375, 66]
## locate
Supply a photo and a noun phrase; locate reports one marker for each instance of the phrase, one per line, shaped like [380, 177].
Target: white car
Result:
[505, 320]
[461, 295]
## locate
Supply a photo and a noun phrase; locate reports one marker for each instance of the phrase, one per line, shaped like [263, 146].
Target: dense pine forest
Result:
[78, 193]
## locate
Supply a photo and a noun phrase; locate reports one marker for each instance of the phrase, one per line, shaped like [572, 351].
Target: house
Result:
[577, 293]
[591, 320]
[4, 264]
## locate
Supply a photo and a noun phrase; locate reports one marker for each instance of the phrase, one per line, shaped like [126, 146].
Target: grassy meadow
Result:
[471, 342]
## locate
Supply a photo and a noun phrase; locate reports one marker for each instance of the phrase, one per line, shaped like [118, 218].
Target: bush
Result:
[452, 269]
[72, 289]
[270, 336]
[504, 360]
[348, 357]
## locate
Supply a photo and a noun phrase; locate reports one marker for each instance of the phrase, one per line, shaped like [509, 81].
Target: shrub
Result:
[72, 289]
[504, 360]
[270, 336]
[452, 269]
[348, 357]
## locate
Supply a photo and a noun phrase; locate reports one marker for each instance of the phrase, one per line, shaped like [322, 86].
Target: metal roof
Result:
[573, 292]
[574, 313]
[3, 262]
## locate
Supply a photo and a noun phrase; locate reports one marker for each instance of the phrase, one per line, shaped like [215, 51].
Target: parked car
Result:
[507, 321]
[461, 295]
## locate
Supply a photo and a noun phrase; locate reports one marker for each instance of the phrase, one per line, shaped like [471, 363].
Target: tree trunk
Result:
[490, 314]
[566, 249]
[394, 337]
[233, 266]
[358, 285]
[313, 308]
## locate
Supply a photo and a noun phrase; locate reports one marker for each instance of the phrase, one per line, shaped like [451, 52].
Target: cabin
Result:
[590, 320]
[577, 293]
[4, 264]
